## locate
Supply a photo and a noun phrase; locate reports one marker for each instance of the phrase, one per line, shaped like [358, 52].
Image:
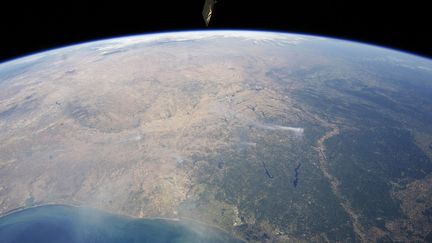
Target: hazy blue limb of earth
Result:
[267, 137]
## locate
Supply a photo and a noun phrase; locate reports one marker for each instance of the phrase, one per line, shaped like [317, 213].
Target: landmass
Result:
[171, 129]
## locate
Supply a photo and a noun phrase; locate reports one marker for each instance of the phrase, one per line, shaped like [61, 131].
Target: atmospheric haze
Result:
[213, 126]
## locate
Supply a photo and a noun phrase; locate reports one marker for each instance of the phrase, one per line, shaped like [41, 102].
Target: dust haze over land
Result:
[209, 127]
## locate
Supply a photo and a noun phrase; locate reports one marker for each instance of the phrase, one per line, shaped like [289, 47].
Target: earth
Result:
[272, 137]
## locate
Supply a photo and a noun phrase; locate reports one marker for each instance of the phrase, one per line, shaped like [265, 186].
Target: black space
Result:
[28, 28]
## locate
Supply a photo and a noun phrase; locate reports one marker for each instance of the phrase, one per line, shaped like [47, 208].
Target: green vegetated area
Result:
[367, 161]
[375, 151]
[374, 154]
[258, 180]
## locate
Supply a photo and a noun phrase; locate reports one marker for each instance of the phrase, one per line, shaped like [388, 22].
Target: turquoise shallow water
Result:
[67, 224]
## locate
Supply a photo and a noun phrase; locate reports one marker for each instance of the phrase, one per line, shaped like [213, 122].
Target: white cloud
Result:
[255, 36]
[297, 130]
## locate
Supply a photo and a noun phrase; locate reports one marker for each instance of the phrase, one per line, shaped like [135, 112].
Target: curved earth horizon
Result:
[268, 136]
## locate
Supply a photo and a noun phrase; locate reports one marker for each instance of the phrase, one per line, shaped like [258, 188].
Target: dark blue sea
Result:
[67, 224]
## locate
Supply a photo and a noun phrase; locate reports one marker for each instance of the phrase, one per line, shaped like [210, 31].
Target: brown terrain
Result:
[155, 132]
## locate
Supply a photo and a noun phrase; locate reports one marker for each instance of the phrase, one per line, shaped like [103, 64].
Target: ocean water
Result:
[67, 224]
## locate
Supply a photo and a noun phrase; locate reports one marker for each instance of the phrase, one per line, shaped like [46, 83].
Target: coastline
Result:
[128, 217]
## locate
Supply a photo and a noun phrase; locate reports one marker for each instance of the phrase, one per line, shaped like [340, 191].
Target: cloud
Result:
[296, 130]
[255, 36]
